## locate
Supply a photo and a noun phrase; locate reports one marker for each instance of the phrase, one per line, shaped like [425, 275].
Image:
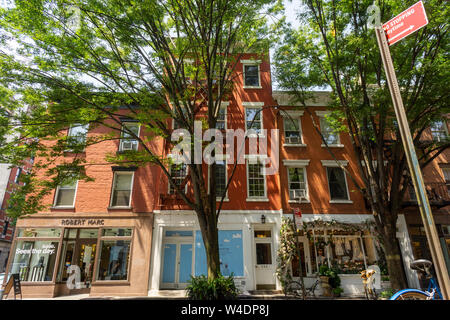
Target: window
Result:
[178, 172]
[77, 135]
[439, 130]
[337, 183]
[221, 123]
[114, 257]
[446, 172]
[256, 180]
[18, 173]
[34, 259]
[330, 136]
[127, 141]
[256, 114]
[251, 75]
[65, 192]
[221, 177]
[122, 186]
[292, 132]
[297, 183]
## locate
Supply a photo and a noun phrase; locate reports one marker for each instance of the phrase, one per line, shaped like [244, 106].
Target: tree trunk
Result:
[394, 262]
[211, 241]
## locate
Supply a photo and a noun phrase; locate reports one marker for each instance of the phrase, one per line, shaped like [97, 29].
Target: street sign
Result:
[407, 22]
[298, 218]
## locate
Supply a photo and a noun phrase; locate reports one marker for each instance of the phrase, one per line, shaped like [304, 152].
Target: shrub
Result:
[221, 288]
[387, 293]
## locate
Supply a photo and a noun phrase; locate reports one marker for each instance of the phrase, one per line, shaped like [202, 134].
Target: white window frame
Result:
[168, 183]
[112, 188]
[224, 105]
[251, 63]
[254, 105]
[438, 138]
[223, 158]
[122, 139]
[301, 164]
[57, 195]
[332, 163]
[294, 115]
[253, 159]
[69, 135]
[322, 115]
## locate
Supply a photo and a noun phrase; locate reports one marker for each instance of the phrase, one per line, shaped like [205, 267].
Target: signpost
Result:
[396, 29]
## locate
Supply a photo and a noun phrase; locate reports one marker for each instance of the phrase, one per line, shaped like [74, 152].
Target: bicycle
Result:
[432, 293]
[295, 287]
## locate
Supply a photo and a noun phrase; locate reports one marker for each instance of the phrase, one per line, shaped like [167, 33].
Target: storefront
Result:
[247, 247]
[107, 255]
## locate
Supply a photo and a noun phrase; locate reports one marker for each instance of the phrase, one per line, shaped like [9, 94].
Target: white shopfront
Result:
[248, 243]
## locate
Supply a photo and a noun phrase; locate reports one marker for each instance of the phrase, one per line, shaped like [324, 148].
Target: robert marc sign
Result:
[82, 222]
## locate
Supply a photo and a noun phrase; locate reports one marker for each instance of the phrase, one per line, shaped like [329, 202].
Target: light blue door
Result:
[185, 263]
[169, 264]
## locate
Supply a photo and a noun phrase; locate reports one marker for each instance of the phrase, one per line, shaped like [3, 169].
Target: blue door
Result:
[185, 263]
[169, 264]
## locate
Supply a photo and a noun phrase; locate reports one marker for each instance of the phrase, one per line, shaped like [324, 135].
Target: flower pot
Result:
[326, 288]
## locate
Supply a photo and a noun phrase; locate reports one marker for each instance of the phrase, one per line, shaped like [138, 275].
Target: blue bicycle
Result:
[432, 293]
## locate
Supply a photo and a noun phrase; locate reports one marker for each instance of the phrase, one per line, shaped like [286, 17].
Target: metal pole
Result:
[414, 168]
[300, 267]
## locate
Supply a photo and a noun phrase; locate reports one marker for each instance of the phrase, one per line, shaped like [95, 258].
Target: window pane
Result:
[439, 130]
[297, 185]
[347, 254]
[35, 260]
[178, 173]
[221, 119]
[250, 114]
[292, 130]
[117, 232]
[256, 180]
[114, 259]
[128, 142]
[328, 133]
[77, 133]
[122, 181]
[122, 189]
[65, 197]
[39, 232]
[336, 180]
[220, 178]
[251, 76]
[263, 253]
[263, 233]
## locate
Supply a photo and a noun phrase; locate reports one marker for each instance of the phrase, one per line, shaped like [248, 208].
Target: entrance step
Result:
[265, 292]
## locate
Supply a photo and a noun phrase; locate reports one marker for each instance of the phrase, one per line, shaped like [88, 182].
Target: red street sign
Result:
[297, 212]
[407, 22]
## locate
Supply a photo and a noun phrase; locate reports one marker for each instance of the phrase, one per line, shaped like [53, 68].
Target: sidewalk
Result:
[180, 295]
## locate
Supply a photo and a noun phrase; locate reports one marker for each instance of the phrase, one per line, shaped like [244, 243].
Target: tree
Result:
[84, 61]
[334, 48]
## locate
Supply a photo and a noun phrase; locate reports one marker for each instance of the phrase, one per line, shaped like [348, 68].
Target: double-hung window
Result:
[77, 135]
[330, 135]
[178, 173]
[221, 123]
[66, 191]
[337, 181]
[297, 183]
[220, 178]
[127, 141]
[253, 117]
[256, 180]
[122, 189]
[439, 130]
[251, 73]
[292, 130]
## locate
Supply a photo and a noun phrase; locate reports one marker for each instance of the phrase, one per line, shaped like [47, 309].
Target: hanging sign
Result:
[407, 22]
[298, 218]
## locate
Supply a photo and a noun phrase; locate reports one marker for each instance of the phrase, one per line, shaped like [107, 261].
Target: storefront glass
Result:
[34, 260]
[114, 259]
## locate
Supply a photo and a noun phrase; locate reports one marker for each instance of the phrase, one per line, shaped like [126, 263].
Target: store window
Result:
[114, 257]
[35, 259]
[122, 187]
[128, 141]
[348, 252]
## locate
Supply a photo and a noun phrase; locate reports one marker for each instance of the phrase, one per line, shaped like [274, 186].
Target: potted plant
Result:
[337, 291]
[324, 280]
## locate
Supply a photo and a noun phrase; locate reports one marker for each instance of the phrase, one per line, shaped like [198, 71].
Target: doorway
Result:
[177, 258]
[265, 264]
[79, 248]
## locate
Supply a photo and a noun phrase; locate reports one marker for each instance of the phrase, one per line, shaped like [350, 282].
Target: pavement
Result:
[181, 295]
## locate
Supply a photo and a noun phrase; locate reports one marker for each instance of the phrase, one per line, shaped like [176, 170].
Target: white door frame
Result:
[262, 227]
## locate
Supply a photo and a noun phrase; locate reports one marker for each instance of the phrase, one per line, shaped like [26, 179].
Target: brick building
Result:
[130, 235]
